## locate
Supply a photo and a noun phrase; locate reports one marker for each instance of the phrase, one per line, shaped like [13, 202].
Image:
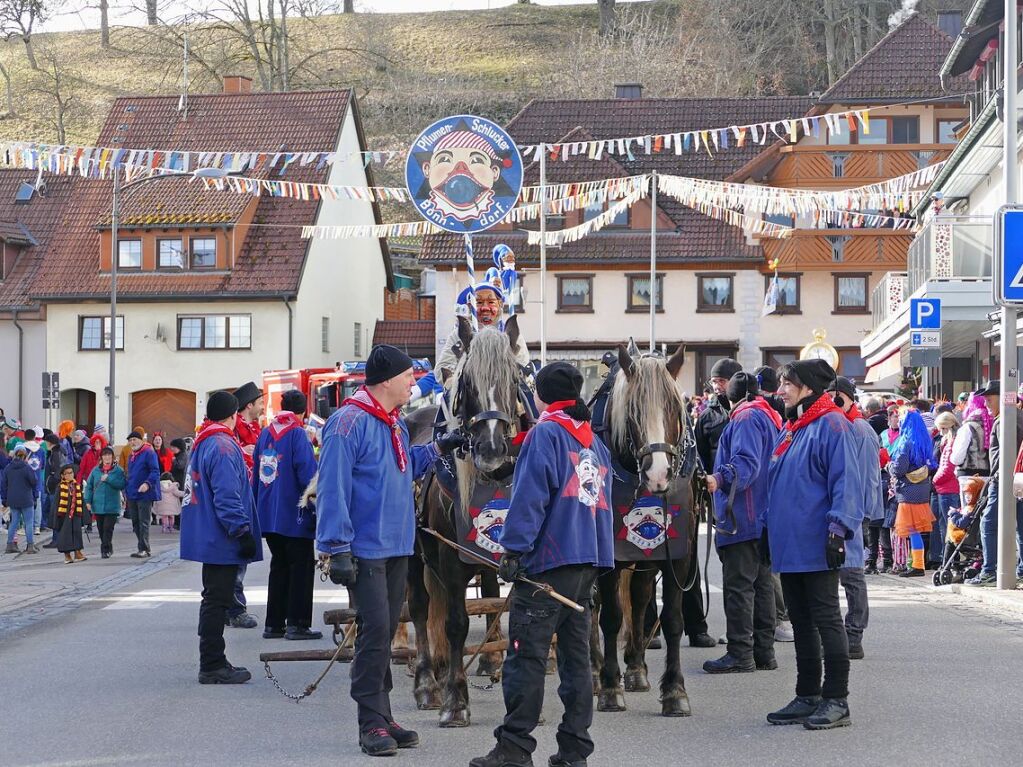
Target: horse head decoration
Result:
[647, 420]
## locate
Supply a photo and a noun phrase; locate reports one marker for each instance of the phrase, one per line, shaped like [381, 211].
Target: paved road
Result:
[120, 671]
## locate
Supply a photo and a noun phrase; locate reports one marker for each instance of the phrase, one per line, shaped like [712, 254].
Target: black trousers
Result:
[379, 592]
[533, 620]
[106, 524]
[290, 587]
[217, 596]
[812, 600]
[879, 543]
[749, 602]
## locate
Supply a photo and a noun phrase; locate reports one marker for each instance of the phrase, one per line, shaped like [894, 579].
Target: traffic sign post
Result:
[925, 314]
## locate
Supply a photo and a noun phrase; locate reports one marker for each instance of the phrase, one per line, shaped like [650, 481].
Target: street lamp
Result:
[204, 173]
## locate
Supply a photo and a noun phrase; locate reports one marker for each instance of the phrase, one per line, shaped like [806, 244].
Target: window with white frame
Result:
[129, 254]
[170, 254]
[215, 331]
[203, 252]
[94, 333]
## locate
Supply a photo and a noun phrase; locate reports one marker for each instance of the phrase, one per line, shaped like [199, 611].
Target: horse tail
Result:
[625, 600]
[437, 619]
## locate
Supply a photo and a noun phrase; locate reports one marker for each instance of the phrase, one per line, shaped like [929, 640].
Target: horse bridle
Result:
[467, 425]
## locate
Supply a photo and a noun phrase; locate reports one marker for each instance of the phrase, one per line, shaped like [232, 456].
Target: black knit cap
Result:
[843, 385]
[559, 381]
[740, 386]
[221, 405]
[246, 394]
[768, 378]
[725, 368]
[814, 374]
[293, 401]
[138, 435]
[385, 362]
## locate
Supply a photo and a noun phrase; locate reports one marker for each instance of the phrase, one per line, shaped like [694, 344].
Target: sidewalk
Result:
[32, 578]
[1007, 604]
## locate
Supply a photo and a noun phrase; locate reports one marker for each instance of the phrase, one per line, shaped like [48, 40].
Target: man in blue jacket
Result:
[559, 531]
[142, 489]
[220, 528]
[19, 491]
[365, 524]
[284, 464]
[814, 507]
[739, 484]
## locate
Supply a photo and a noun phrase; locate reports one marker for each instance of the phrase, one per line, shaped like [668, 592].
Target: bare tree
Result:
[56, 83]
[104, 23]
[349, 6]
[8, 90]
[19, 17]
[151, 15]
[607, 16]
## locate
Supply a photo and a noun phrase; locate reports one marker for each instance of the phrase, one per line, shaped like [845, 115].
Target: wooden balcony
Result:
[854, 164]
[868, 249]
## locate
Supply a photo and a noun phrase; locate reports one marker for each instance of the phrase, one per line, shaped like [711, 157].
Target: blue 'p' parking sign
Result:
[1008, 251]
[925, 314]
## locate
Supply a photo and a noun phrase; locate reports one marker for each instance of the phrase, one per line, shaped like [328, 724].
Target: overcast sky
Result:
[80, 16]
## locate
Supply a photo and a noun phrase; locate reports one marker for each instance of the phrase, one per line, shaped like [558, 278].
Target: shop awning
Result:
[889, 366]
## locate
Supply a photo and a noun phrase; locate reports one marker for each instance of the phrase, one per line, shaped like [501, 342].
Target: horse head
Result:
[648, 415]
[487, 390]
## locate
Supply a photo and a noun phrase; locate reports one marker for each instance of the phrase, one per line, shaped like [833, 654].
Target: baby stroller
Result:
[963, 555]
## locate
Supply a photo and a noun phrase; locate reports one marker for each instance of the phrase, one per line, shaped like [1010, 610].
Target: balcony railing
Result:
[950, 247]
[852, 164]
[887, 297]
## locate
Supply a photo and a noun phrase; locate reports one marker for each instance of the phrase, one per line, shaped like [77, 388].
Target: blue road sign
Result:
[1010, 275]
[925, 314]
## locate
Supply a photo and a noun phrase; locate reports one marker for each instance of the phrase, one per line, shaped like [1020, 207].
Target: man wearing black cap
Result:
[558, 530]
[365, 524]
[220, 528]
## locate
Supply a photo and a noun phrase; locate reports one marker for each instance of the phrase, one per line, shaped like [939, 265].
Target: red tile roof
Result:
[904, 64]
[405, 334]
[273, 256]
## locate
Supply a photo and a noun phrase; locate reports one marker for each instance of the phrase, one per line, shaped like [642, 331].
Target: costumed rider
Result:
[559, 531]
[489, 309]
[503, 275]
[365, 525]
[813, 510]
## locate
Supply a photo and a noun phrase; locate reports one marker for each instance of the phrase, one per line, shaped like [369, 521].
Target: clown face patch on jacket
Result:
[268, 461]
[587, 486]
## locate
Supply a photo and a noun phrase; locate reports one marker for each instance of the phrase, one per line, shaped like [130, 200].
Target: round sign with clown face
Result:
[464, 174]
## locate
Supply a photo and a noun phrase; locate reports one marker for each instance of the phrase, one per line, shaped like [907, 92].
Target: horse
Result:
[486, 406]
[648, 433]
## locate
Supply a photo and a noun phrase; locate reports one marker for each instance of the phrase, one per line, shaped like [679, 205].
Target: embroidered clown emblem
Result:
[488, 524]
[588, 483]
[644, 524]
[268, 467]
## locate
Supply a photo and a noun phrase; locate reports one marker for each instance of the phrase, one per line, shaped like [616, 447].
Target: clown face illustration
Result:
[644, 524]
[462, 173]
[489, 524]
[587, 471]
[268, 467]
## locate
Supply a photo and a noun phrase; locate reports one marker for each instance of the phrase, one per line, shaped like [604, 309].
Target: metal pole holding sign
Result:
[653, 261]
[543, 255]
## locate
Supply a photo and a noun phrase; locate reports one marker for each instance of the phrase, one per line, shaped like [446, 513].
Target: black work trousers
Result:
[879, 543]
[533, 620]
[812, 600]
[289, 598]
[749, 602]
[106, 524]
[217, 596]
[379, 593]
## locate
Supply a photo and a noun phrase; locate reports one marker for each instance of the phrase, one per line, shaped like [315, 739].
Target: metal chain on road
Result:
[494, 678]
[312, 687]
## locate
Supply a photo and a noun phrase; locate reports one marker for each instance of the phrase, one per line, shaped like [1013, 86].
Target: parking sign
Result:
[925, 314]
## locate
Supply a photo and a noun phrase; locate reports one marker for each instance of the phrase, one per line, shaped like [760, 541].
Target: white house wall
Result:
[31, 411]
[344, 280]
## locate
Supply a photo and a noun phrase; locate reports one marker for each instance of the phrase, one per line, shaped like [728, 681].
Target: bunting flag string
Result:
[845, 219]
[574, 233]
[374, 231]
[750, 224]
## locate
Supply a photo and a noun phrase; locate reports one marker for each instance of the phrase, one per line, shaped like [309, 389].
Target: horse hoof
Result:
[676, 706]
[636, 681]
[427, 700]
[459, 718]
[488, 669]
[611, 700]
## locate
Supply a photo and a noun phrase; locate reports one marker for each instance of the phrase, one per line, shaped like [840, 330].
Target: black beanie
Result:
[559, 381]
[741, 386]
[768, 379]
[385, 362]
[221, 405]
[725, 368]
[814, 374]
[844, 386]
[138, 434]
[293, 401]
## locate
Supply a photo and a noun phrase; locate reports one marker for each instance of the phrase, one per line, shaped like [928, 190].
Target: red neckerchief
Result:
[134, 453]
[247, 432]
[854, 413]
[208, 428]
[283, 423]
[579, 429]
[760, 404]
[363, 400]
[822, 406]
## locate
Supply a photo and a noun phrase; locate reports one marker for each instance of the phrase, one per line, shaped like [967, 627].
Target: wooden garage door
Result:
[171, 411]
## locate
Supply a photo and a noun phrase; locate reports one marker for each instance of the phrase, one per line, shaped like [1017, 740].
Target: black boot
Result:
[870, 567]
[226, 675]
[796, 712]
[832, 712]
[504, 755]
[702, 640]
[766, 664]
[301, 632]
[404, 738]
[378, 742]
[559, 761]
[728, 664]
[912, 572]
[273, 632]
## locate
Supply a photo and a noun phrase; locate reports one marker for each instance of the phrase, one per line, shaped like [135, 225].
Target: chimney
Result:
[628, 90]
[950, 22]
[237, 84]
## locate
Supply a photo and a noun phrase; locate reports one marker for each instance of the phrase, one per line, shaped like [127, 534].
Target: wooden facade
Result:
[841, 166]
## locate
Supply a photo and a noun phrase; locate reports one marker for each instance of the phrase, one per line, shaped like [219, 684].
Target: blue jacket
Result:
[743, 455]
[813, 483]
[906, 491]
[364, 502]
[36, 461]
[19, 485]
[143, 466]
[284, 466]
[868, 447]
[217, 508]
[560, 508]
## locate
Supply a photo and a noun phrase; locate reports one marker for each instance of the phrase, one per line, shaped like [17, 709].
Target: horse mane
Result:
[651, 389]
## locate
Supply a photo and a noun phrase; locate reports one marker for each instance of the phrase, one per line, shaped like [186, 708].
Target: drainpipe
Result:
[291, 319]
[21, 363]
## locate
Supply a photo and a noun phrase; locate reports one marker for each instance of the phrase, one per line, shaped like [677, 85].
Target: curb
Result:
[1010, 601]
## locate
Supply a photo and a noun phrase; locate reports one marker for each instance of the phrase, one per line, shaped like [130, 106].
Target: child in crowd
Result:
[169, 505]
[70, 509]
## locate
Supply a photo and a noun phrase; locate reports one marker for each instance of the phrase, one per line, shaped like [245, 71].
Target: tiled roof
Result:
[904, 64]
[36, 218]
[178, 202]
[271, 260]
[412, 334]
[15, 233]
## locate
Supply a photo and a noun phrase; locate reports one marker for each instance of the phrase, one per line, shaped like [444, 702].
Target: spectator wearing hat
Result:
[13, 434]
[813, 510]
[220, 529]
[142, 489]
[70, 511]
[365, 524]
[19, 491]
[55, 462]
[102, 495]
[876, 416]
[558, 530]
[179, 464]
[126, 451]
[285, 465]
[490, 301]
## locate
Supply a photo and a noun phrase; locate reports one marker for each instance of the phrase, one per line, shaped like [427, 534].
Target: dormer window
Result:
[129, 254]
[203, 252]
[26, 190]
[170, 254]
